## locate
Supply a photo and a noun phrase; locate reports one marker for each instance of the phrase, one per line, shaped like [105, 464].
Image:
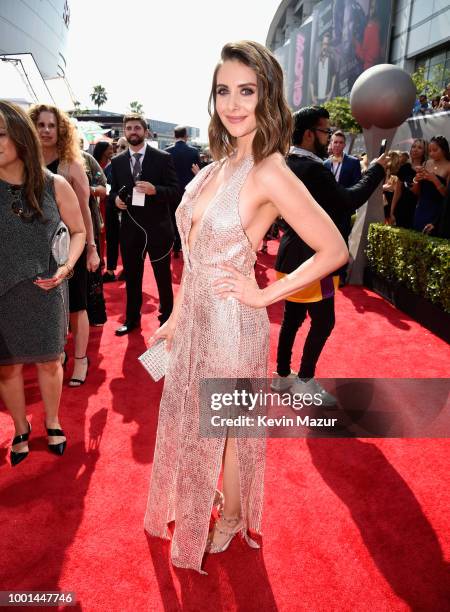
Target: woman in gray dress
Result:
[33, 301]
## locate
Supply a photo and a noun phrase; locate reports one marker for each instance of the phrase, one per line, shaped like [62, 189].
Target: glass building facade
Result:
[408, 33]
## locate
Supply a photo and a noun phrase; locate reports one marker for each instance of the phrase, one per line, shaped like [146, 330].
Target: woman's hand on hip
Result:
[240, 287]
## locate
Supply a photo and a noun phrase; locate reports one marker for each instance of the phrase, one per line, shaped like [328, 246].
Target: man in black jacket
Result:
[311, 136]
[187, 163]
[148, 187]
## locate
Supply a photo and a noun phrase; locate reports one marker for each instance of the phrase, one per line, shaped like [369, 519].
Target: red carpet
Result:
[349, 524]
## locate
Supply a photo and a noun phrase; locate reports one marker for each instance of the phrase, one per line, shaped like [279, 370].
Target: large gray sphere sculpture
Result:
[382, 96]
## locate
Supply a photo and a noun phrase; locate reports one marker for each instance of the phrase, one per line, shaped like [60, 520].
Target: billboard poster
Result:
[348, 36]
[282, 55]
[298, 80]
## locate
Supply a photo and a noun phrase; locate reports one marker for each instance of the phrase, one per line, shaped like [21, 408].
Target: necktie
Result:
[137, 165]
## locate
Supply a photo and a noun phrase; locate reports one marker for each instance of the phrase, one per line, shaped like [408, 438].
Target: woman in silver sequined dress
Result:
[219, 326]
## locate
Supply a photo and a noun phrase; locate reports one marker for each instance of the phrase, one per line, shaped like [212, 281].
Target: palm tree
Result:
[76, 108]
[99, 96]
[136, 107]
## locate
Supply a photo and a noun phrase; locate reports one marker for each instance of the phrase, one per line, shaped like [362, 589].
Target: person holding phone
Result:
[430, 184]
[404, 201]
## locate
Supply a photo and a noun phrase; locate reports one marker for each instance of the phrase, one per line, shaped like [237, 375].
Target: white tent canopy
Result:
[21, 81]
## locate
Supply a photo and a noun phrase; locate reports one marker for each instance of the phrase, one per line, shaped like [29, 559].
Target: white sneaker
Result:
[282, 383]
[313, 387]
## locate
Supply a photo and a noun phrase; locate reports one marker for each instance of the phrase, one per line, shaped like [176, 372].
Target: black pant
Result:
[132, 243]
[177, 239]
[112, 227]
[322, 323]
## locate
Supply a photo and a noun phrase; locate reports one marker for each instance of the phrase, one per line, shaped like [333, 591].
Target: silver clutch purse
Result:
[155, 360]
[61, 244]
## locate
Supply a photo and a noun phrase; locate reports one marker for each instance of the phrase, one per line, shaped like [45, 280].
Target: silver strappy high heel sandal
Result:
[228, 527]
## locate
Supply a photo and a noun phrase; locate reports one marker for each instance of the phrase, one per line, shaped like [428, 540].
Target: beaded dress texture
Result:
[214, 338]
[33, 322]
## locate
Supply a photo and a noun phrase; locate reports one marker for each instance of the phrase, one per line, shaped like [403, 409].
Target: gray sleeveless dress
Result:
[33, 322]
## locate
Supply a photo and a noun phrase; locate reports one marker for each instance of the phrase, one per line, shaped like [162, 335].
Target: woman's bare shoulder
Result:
[270, 168]
[61, 185]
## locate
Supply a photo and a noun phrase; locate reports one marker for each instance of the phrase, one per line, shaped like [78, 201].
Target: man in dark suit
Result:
[310, 139]
[345, 168]
[187, 163]
[148, 186]
[347, 172]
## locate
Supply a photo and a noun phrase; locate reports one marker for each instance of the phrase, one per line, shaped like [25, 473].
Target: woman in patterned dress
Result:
[219, 326]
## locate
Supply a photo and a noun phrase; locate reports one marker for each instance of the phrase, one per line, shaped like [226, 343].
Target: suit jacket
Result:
[350, 170]
[183, 156]
[154, 216]
[336, 200]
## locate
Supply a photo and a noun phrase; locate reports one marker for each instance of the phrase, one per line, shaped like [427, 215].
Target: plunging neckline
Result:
[218, 192]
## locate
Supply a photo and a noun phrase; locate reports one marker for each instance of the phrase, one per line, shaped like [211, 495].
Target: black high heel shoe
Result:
[18, 457]
[77, 382]
[56, 449]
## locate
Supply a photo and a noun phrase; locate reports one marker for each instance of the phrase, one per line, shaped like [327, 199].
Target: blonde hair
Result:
[394, 163]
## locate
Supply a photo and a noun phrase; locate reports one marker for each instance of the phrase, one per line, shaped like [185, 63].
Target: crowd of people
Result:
[437, 104]
[416, 192]
[130, 197]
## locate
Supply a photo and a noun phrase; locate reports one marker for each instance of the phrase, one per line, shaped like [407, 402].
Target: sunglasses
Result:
[17, 206]
[324, 130]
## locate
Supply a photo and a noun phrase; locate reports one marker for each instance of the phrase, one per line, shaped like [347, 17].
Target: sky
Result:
[161, 53]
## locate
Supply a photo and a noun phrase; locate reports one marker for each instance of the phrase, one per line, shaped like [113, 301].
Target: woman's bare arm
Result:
[296, 205]
[69, 210]
[81, 187]
[290, 199]
[395, 198]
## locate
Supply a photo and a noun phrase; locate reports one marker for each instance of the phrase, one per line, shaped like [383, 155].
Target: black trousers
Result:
[112, 230]
[132, 245]
[322, 323]
[177, 239]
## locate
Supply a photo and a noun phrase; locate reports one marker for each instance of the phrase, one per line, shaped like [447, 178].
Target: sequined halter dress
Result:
[214, 338]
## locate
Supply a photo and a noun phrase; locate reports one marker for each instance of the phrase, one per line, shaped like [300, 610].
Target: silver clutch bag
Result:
[60, 244]
[155, 360]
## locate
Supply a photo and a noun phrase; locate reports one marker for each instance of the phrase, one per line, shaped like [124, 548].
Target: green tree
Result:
[433, 85]
[99, 96]
[76, 108]
[341, 115]
[136, 107]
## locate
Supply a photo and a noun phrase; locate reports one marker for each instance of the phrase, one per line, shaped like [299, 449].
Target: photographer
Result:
[144, 187]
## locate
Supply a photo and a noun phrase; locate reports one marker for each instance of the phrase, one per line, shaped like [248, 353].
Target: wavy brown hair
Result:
[68, 139]
[273, 116]
[22, 132]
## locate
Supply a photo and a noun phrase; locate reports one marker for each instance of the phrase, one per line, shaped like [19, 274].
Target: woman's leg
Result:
[230, 520]
[79, 324]
[231, 485]
[50, 377]
[13, 395]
